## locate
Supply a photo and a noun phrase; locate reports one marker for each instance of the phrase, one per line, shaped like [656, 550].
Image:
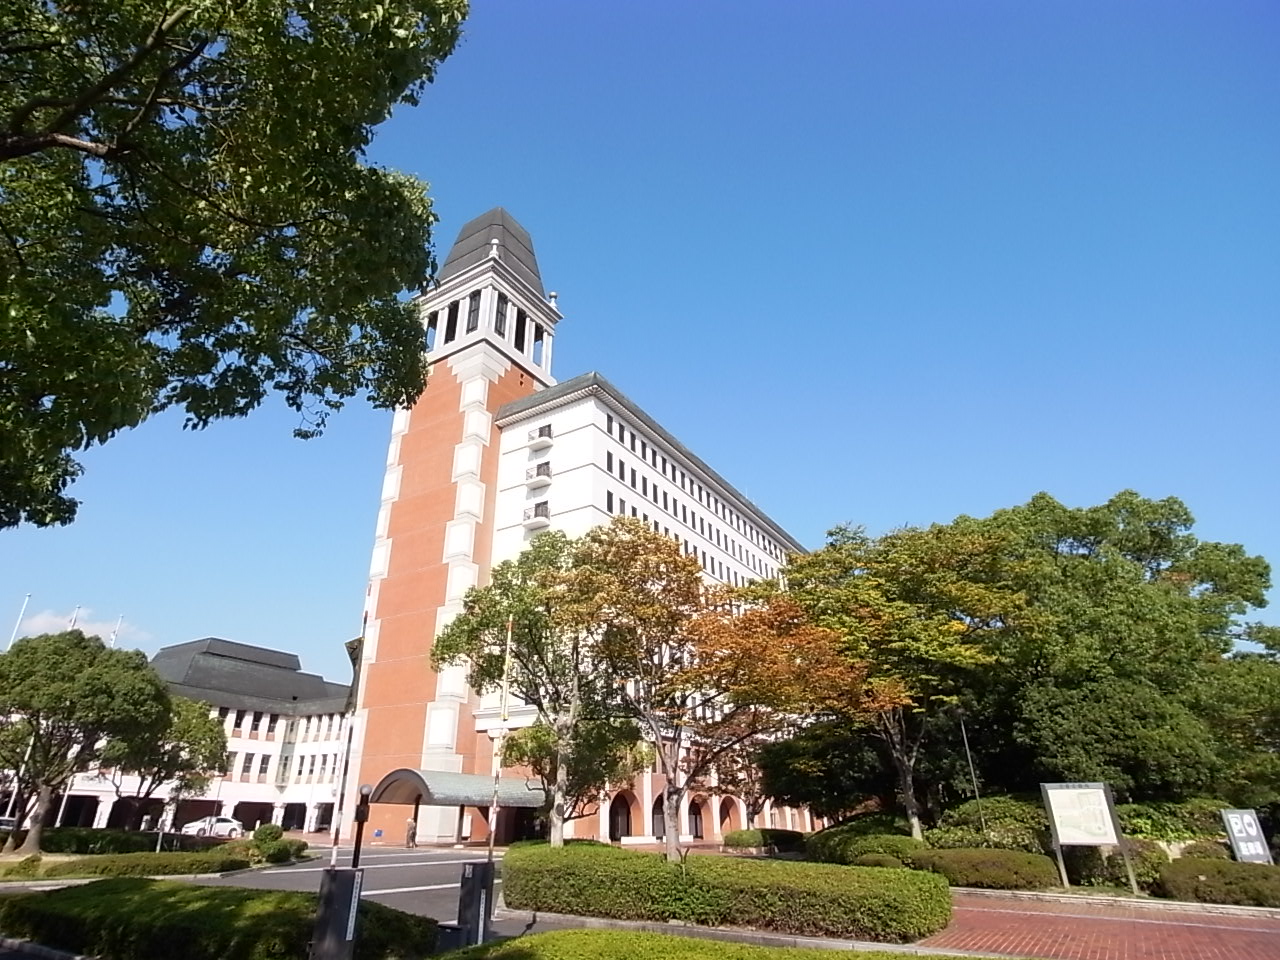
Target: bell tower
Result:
[489, 329]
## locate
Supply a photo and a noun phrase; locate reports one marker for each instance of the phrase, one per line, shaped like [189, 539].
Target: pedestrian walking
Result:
[411, 834]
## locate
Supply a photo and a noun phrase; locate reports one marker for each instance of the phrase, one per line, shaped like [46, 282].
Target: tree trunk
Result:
[44, 803]
[904, 764]
[558, 794]
[671, 814]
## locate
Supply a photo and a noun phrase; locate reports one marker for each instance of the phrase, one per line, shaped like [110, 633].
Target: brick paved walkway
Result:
[1088, 931]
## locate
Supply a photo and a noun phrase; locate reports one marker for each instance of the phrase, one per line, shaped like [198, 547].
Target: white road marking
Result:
[375, 866]
[434, 886]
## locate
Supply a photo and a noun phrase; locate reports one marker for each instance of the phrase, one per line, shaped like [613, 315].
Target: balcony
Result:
[539, 475]
[541, 439]
[538, 516]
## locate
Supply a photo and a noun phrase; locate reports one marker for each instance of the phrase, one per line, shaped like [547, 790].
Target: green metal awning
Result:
[444, 788]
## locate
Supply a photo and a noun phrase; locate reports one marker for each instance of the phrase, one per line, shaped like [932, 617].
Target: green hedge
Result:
[1206, 850]
[268, 833]
[88, 840]
[1089, 866]
[993, 869]
[839, 845]
[628, 945]
[1196, 819]
[786, 840]
[148, 864]
[878, 860]
[999, 822]
[131, 919]
[790, 897]
[1221, 881]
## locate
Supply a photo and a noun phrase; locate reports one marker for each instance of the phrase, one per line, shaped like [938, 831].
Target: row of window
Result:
[525, 332]
[325, 765]
[648, 453]
[317, 727]
[617, 466]
[712, 564]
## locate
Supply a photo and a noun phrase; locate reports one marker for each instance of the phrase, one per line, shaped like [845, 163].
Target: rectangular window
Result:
[644, 486]
[622, 470]
[311, 765]
[622, 507]
[473, 312]
[430, 337]
[633, 512]
[633, 441]
[608, 461]
[248, 763]
[500, 318]
[222, 712]
[608, 424]
[664, 500]
[264, 764]
[633, 478]
[239, 719]
[608, 501]
[451, 324]
[520, 324]
[684, 513]
[664, 466]
[257, 720]
[644, 450]
[272, 721]
[645, 519]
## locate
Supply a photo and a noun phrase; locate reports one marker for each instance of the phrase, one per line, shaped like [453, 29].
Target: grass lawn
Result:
[627, 945]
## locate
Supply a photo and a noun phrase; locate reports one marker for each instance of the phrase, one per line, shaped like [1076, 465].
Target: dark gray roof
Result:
[594, 383]
[515, 247]
[246, 677]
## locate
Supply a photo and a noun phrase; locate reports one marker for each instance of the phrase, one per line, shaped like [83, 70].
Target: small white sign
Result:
[355, 905]
[1081, 814]
[1248, 842]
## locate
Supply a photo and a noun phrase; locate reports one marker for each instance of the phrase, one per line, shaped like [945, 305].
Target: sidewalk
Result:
[1017, 927]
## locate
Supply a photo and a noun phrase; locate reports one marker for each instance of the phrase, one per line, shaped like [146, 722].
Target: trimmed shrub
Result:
[902, 848]
[1221, 881]
[148, 864]
[1012, 823]
[1206, 850]
[789, 897]
[993, 869]
[297, 848]
[133, 919]
[633, 945]
[1148, 859]
[275, 851]
[785, 840]
[268, 833]
[89, 840]
[25, 868]
[878, 860]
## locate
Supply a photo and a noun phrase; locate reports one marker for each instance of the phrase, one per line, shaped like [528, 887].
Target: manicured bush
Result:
[903, 848]
[633, 945]
[785, 840]
[24, 868]
[148, 864]
[999, 822]
[1148, 859]
[1221, 881]
[268, 833]
[297, 848]
[133, 919]
[88, 840]
[790, 897]
[993, 869]
[1206, 850]
[877, 860]
[275, 851]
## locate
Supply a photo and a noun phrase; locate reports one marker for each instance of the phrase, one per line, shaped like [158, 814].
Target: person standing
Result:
[411, 834]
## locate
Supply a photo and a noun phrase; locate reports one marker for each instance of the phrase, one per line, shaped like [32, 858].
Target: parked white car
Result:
[214, 827]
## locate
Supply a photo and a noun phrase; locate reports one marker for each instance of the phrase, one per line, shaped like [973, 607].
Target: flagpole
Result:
[119, 621]
[18, 626]
[75, 615]
[502, 740]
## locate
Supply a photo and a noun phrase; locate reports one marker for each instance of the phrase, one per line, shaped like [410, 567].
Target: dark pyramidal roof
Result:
[515, 247]
[246, 677]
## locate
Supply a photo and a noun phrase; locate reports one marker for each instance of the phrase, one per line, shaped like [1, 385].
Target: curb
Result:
[736, 935]
[1084, 899]
[39, 950]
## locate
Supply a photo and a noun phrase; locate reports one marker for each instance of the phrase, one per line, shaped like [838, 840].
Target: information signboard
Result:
[1248, 842]
[1081, 814]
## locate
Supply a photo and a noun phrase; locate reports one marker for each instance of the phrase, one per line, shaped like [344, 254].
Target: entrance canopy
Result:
[444, 788]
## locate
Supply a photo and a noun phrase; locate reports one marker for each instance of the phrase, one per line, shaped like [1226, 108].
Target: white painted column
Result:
[102, 814]
[277, 814]
[716, 833]
[646, 803]
[603, 826]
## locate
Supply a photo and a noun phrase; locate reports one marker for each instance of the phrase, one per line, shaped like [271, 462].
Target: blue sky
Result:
[884, 262]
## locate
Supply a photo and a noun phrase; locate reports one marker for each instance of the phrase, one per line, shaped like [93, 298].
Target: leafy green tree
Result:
[187, 753]
[831, 767]
[68, 696]
[603, 754]
[554, 666]
[187, 218]
[916, 608]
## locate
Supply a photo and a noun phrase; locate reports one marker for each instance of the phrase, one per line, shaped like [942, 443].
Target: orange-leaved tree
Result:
[700, 670]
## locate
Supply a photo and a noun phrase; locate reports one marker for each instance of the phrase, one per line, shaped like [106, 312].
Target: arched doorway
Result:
[619, 817]
[658, 817]
[695, 819]
[730, 818]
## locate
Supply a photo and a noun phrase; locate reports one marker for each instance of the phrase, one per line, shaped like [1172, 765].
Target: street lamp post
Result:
[361, 816]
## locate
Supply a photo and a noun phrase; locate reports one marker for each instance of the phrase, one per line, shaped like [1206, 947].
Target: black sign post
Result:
[334, 937]
[1248, 842]
[475, 901]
